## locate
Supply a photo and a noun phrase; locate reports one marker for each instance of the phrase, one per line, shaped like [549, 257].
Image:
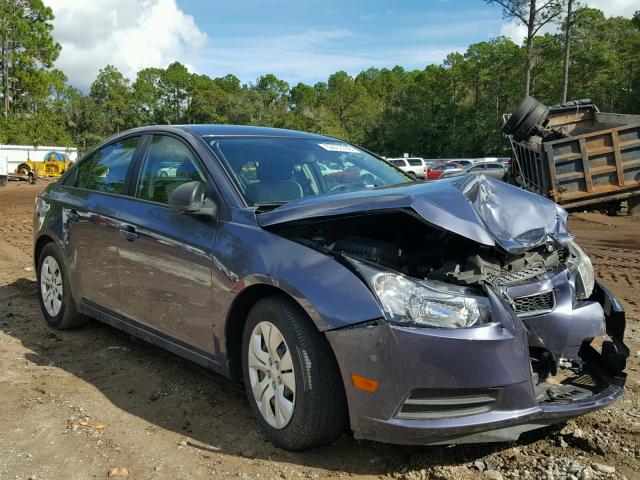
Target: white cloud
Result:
[517, 32]
[615, 8]
[130, 35]
[514, 30]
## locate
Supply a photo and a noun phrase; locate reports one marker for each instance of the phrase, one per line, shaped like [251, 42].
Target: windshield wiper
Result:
[266, 206]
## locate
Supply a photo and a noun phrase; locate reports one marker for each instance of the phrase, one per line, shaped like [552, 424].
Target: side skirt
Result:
[154, 337]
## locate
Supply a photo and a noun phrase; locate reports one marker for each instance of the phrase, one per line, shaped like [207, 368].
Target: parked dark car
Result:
[413, 313]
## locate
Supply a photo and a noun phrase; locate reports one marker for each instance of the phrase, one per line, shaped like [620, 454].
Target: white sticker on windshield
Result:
[339, 147]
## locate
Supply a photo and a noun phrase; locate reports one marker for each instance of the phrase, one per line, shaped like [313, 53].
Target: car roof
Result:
[247, 130]
[210, 130]
[487, 163]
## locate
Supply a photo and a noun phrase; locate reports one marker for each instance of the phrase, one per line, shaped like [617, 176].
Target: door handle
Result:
[73, 216]
[129, 233]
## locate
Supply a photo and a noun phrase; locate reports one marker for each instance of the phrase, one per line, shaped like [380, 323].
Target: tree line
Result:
[446, 110]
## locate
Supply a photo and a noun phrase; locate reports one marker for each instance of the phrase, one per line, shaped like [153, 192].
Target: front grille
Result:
[537, 304]
[436, 404]
[513, 278]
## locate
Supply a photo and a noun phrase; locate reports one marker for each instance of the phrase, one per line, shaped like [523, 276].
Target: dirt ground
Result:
[75, 404]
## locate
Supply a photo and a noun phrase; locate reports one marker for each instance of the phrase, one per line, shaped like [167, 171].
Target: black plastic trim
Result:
[154, 337]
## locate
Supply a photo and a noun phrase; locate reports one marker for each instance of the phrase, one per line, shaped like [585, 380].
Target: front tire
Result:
[55, 297]
[291, 377]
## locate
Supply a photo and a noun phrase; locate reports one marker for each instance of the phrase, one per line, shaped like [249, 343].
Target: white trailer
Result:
[4, 171]
[18, 154]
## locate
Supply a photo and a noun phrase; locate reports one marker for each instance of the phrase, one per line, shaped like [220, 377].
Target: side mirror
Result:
[190, 198]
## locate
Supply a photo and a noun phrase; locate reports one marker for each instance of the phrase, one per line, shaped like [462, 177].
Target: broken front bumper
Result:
[465, 385]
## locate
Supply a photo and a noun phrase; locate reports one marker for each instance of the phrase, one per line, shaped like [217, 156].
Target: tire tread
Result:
[325, 405]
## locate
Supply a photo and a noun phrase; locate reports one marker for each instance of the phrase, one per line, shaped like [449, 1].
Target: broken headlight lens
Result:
[580, 264]
[425, 303]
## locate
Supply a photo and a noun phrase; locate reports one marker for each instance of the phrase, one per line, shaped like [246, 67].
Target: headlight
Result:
[425, 303]
[580, 263]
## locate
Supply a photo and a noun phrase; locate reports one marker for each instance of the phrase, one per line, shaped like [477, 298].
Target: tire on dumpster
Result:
[529, 114]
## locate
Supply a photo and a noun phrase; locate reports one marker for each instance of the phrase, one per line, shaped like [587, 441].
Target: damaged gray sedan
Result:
[341, 292]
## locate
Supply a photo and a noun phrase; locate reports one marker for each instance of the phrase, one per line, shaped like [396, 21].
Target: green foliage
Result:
[112, 92]
[40, 128]
[28, 51]
[448, 110]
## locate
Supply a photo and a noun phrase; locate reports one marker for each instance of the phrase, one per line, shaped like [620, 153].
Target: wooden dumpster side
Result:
[585, 168]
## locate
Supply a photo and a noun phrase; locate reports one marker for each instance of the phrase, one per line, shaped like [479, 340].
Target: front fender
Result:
[331, 294]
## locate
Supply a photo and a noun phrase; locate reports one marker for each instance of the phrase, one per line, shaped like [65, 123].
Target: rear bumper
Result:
[456, 369]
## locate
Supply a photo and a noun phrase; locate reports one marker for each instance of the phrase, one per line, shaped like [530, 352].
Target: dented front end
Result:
[481, 384]
[492, 323]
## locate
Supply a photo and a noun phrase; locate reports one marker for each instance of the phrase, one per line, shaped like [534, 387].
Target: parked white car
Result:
[169, 169]
[4, 170]
[414, 166]
[490, 169]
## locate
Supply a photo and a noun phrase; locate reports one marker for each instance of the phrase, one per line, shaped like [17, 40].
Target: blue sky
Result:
[305, 40]
[297, 40]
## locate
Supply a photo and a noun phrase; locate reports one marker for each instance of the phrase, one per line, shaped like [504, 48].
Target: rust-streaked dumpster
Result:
[580, 156]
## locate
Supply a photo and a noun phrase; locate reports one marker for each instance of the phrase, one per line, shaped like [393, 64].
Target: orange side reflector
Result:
[364, 384]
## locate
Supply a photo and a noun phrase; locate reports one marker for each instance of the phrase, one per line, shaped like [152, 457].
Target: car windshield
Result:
[275, 170]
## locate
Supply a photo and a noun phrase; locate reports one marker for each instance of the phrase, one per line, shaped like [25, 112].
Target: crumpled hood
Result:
[480, 208]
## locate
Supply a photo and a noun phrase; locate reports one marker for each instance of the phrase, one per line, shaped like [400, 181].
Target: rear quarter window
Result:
[83, 172]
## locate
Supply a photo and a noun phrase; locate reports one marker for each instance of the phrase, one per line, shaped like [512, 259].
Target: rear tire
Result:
[318, 401]
[54, 291]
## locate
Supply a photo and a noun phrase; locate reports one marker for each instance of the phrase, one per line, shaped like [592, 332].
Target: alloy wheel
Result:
[271, 374]
[51, 286]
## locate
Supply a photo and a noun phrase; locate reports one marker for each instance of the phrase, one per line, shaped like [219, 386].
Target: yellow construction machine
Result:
[53, 165]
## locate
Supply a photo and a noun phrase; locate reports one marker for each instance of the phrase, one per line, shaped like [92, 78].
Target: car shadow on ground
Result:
[209, 410]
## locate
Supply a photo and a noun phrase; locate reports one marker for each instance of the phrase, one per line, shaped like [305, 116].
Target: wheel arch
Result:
[237, 317]
[39, 244]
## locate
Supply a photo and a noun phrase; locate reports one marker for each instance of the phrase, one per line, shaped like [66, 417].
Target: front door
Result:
[165, 257]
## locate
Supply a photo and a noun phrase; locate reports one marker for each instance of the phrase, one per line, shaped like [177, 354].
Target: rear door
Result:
[93, 199]
[165, 257]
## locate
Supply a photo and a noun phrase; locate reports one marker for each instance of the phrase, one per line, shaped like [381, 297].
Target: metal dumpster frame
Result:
[594, 165]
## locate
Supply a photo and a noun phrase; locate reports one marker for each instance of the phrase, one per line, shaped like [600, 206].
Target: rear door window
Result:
[415, 162]
[106, 169]
[168, 164]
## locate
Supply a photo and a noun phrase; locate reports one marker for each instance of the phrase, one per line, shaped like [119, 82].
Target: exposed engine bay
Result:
[402, 242]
